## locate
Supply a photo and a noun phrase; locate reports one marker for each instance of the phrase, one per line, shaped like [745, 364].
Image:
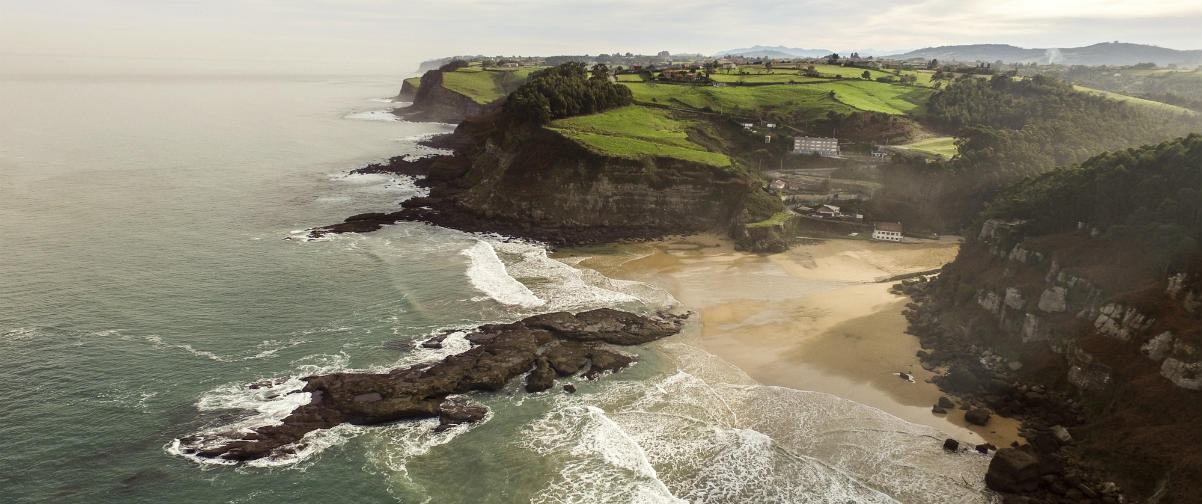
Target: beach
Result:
[818, 317]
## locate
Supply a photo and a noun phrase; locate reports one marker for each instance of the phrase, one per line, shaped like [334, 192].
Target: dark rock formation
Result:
[542, 378]
[977, 416]
[569, 388]
[501, 352]
[951, 445]
[1013, 470]
[946, 403]
[457, 411]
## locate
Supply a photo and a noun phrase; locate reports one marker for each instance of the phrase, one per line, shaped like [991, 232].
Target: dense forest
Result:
[1006, 130]
[1151, 195]
[564, 91]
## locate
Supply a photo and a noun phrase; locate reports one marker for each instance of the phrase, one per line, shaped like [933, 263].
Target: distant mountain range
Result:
[775, 52]
[1106, 53]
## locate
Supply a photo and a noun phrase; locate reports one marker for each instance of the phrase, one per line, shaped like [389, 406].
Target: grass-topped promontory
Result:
[485, 85]
[637, 132]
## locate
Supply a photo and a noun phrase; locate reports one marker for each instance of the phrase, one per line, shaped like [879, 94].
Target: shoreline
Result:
[818, 317]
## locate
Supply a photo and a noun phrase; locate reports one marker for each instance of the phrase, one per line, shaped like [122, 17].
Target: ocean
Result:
[153, 266]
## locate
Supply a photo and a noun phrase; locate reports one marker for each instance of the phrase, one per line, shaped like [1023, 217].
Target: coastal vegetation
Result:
[1008, 129]
[635, 131]
[564, 91]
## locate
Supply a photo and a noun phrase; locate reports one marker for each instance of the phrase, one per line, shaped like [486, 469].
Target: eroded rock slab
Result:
[500, 353]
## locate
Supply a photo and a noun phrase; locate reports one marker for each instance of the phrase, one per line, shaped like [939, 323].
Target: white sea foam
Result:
[488, 274]
[266, 349]
[716, 436]
[374, 115]
[568, 288]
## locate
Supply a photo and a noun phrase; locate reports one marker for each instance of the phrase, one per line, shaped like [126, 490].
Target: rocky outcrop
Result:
[1013, 470]
[533, 183]
[408, 92]
[434, 103]
[1101, 362]
[500, 353]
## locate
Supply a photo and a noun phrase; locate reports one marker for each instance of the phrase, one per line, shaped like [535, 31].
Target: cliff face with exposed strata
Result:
[434, 103]
[1067, 329]
[537, 180]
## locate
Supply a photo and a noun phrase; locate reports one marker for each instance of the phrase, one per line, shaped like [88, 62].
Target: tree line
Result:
[565, 90]
[1008, 129]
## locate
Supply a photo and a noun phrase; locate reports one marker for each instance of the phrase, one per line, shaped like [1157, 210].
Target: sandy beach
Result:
[814, 318]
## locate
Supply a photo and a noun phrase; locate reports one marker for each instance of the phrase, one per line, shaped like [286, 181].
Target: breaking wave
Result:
[487, 274]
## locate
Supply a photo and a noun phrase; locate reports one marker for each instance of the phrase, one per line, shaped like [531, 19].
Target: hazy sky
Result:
[387, 36]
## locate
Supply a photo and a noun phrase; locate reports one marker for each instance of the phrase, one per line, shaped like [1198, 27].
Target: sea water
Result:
[152, 266]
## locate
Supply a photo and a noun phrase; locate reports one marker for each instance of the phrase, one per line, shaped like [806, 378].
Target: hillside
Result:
[1107, 53]
[1006, 130]
[775, 52]
[1035, 319]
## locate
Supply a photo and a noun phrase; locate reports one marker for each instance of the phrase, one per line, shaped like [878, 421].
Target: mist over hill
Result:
[782, 52]
[1106, 53]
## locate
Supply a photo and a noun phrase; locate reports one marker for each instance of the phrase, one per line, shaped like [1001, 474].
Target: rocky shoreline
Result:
[439, 209]
[543, 347]
[1046, 469]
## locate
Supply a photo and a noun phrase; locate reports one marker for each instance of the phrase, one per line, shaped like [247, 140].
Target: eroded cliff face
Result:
[1040, 298]
[434, 103]
[540, 179]
[1113, 348]
[408, 92]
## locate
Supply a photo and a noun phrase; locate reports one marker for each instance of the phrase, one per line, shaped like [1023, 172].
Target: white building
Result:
[888, 231]
[816, 145]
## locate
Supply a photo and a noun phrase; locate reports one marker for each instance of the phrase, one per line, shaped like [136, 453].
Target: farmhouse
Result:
[828, 211]
[777, 185]
[888, 231]
[816, 145]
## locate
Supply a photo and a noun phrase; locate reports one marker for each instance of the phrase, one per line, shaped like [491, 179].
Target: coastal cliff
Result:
[1078, 309]
[535, 183]
[567, 159]
[433, 102]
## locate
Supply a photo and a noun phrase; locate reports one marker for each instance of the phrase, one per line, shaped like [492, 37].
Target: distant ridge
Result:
[1106, 53]
[760, 51]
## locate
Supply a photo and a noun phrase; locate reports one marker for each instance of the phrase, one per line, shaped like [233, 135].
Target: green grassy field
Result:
[878, 96]
[414, 81]
[940, 146]
[630, 78]
[1138, 102]
[775, 78]
[810, 100]
[802, 99]
[485, 86]
[636, 132]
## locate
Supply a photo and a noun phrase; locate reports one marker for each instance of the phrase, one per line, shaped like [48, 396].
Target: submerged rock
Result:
[420, 391]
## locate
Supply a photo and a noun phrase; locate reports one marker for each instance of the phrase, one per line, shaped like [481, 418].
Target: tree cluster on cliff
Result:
[1151, 195]
[1007, 130]
[564, 91]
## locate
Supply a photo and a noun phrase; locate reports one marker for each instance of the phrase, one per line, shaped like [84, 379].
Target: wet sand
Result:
[813, 318]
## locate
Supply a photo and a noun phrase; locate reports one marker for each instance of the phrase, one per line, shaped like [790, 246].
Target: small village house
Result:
[777, 185]
[828, 211]
[887, 231]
